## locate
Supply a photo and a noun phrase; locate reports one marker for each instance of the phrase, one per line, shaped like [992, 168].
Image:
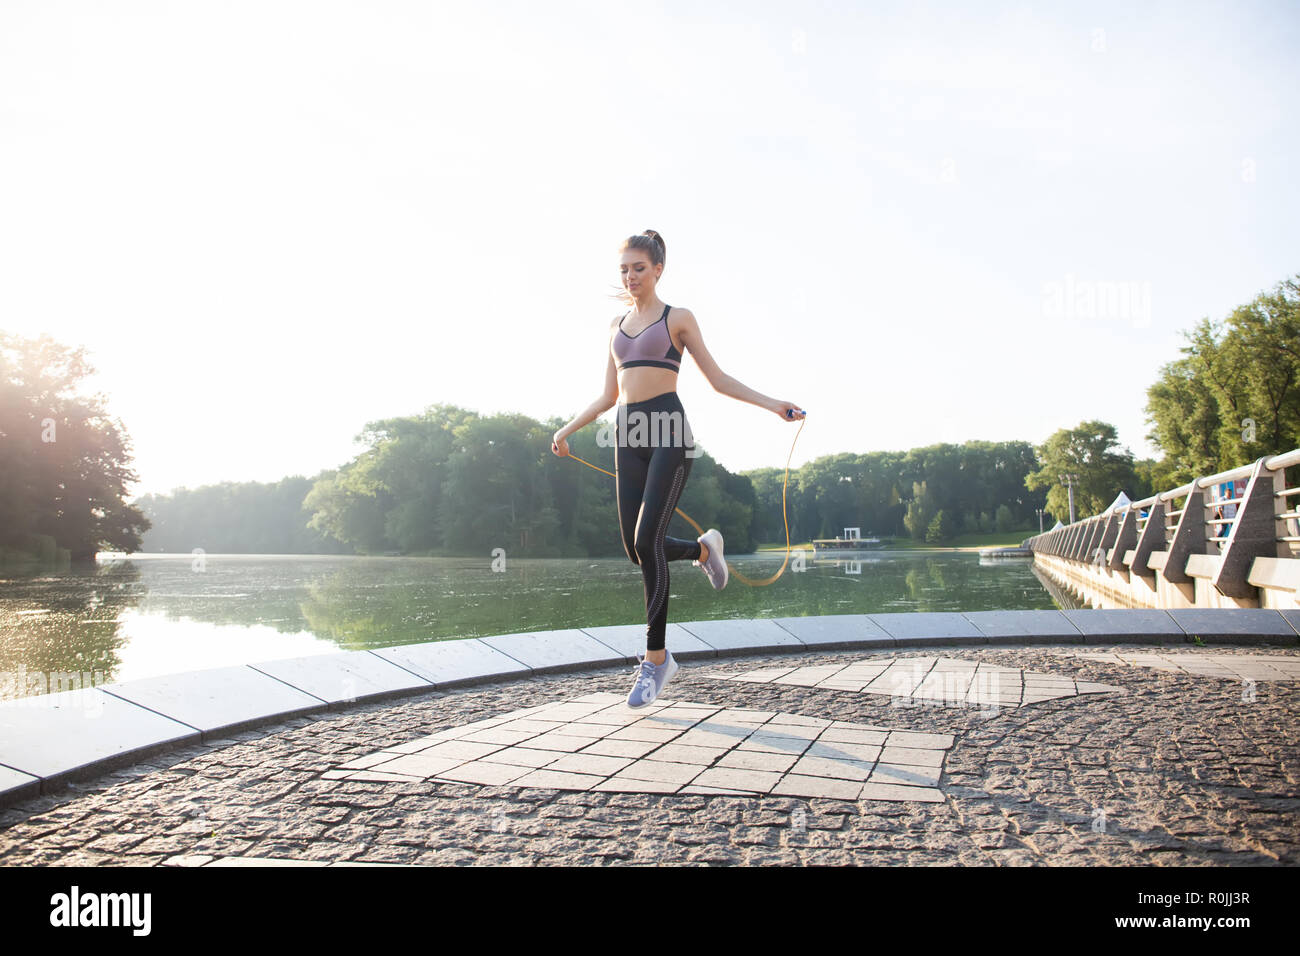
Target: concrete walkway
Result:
[1088, 756]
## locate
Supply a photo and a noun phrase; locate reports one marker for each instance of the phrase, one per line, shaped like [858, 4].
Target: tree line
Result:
[450, 481]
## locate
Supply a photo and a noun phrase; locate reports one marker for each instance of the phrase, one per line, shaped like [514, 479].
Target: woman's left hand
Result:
[789, 411]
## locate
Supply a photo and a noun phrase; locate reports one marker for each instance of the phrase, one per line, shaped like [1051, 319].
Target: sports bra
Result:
[651, 346]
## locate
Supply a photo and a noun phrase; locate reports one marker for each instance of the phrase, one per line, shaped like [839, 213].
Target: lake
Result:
[149, 614]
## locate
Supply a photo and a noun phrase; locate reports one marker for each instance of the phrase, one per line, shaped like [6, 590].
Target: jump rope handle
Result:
[789, 413]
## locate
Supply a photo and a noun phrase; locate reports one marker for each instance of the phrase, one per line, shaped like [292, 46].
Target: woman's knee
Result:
[643, 548]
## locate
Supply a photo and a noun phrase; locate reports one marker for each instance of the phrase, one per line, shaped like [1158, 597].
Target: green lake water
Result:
[145, 615]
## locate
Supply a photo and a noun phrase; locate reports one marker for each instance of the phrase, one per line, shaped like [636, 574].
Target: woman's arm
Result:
[724, 383]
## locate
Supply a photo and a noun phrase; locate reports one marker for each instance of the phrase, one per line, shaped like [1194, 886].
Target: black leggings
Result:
[652, 465]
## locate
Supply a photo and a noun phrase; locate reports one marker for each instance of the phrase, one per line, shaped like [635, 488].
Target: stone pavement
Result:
[1096, 761]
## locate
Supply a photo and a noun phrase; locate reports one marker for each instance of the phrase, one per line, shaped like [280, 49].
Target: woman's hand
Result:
[560, 444]
[789, 411]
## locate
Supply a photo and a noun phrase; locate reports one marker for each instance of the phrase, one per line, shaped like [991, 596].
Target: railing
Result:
[1151, 538]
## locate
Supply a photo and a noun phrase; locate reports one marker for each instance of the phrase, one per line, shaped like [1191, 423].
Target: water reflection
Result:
[154, 614]
[61, 631]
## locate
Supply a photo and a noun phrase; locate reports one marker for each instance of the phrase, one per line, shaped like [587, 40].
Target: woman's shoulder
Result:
[680, 313]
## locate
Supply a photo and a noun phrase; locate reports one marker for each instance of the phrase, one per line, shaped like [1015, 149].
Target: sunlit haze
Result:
[271, 223]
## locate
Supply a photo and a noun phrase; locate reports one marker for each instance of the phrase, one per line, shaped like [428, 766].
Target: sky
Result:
[270, 223]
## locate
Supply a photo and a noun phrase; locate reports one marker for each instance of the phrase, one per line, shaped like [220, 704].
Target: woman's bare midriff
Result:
[642, 382]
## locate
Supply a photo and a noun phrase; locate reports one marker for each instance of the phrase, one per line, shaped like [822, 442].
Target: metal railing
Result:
[1151, 537]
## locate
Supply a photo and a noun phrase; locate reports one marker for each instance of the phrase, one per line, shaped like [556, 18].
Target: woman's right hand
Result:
[560, 445]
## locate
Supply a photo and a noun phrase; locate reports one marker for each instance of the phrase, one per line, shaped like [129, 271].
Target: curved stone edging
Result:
[49, 740]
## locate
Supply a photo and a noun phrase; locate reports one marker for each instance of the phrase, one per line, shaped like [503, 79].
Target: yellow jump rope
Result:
[694, 524]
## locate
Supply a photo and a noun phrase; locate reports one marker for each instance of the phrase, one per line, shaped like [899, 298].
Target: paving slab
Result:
[454, 663]
[830, 788]
[1292, 617]
[16, 785]
[549, 651]
[743, 636]
[1136, 625]
[56, 735]
[343, 678]
[247, 861]
[629, 641]
[889, 791]
[911, 775]
[836, 630]
[1230, 625]
[221, 699]
[929, 627]
[1024, 626]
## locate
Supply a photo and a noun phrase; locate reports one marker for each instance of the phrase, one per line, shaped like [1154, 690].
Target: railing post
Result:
[1077, 541]
[1094, 539]
[1081, 546]
[1189, 537]
[1125, 538]
[1108, 532]
[1253, 533]
[1151, 539]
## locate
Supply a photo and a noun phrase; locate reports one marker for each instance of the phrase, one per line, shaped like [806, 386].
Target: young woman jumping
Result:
[654, 447]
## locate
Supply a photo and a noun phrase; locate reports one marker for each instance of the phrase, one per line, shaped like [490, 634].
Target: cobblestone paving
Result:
[1179, 770]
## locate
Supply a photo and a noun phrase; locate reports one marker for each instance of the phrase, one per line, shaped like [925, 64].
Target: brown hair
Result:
[649, 242]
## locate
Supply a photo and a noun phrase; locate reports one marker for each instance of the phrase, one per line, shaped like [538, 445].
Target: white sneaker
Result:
[715, 565]
[651, 679]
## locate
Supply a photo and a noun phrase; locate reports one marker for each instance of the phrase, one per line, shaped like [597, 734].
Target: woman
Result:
[654, 449]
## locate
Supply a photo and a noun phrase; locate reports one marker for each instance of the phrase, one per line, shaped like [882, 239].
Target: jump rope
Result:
[694, 524]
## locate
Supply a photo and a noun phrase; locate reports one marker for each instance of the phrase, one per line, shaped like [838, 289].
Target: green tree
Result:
[64, 462]
[1090, 451]
[1184, 415]
[236, 518]
[940, 528]
[919, 513]
[1234, 396]
[1004, 522]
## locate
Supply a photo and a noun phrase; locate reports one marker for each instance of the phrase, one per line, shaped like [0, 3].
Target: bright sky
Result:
[271, 222]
